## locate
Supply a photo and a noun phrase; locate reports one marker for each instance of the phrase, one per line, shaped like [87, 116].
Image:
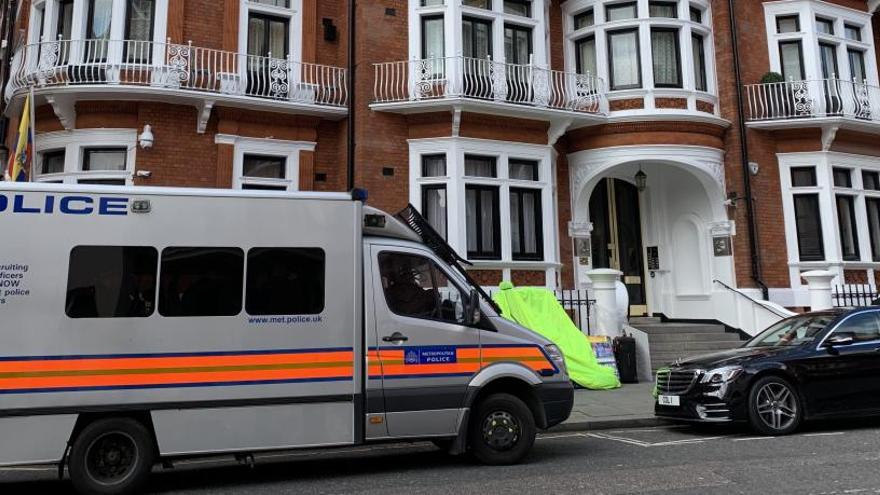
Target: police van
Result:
[143, 325]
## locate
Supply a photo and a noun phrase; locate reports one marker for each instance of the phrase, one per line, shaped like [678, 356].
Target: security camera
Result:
[146, 137]
[144, 174]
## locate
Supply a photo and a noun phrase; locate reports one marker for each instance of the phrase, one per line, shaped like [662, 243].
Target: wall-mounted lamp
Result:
[146, 137]
[641, 180]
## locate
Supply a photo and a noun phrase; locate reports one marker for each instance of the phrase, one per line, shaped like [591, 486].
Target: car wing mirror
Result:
[472, 313]
[840, 339]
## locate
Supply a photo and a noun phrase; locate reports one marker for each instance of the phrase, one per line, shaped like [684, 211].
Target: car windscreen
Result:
[793, 331]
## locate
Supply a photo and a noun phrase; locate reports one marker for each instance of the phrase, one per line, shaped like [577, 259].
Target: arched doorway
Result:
[616, 241]
[660, 237]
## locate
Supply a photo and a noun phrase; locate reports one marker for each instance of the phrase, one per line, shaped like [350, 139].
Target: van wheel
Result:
[502, 431]
[111, 456]
[774, 406]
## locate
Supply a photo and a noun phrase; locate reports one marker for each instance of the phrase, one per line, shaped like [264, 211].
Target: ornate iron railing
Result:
[175, 67]
[485, 79]
[811, 99]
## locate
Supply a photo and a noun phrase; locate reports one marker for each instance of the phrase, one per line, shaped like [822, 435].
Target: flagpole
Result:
[33, 131]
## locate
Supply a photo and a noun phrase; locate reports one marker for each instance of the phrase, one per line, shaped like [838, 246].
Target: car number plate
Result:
[669, 400]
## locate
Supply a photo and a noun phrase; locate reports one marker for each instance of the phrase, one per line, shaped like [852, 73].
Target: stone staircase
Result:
[670, 341]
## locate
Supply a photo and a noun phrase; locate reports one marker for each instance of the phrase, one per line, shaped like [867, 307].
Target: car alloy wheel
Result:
[777, 406]
[774, 406]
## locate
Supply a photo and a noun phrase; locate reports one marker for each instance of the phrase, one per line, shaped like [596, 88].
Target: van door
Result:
[427, 354]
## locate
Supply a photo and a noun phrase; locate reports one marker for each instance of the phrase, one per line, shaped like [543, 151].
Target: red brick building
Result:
[544, 138]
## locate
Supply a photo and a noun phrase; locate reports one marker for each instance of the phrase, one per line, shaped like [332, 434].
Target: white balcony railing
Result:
[813, 99]
[484, 79]
[177, 67]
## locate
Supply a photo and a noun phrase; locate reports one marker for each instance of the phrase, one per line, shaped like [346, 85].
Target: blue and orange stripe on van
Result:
[138, 371]
[389, 362]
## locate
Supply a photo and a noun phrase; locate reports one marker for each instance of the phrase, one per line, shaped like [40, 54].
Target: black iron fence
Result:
[852, 295]
[575, 302]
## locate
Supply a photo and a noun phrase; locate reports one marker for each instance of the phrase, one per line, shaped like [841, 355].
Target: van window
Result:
[415, 286]
[201, 281]
[285, 281]
[111, 282]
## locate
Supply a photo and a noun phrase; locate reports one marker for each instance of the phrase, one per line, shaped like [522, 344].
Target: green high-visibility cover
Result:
[538, 309]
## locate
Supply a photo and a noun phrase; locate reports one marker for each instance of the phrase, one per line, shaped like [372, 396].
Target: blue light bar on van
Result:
[359, 195]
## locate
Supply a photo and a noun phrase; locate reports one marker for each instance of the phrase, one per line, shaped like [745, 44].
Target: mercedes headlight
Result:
[721, 375]
[556, 356]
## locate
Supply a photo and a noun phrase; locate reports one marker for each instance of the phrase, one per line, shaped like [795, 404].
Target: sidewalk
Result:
[630, 406]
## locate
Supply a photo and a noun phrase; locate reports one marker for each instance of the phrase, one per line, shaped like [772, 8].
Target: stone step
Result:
[667, 328]
[693, 337]
[689, 345]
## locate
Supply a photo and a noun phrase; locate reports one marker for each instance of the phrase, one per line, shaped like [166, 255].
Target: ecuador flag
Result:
[20, 162]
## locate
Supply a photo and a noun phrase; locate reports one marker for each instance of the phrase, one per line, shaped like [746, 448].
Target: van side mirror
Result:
[840, 339]
[472, 313]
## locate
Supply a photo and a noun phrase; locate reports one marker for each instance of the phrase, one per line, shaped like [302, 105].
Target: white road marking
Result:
[561, 435]
[748, 439]
[29, 469]
[827, 434]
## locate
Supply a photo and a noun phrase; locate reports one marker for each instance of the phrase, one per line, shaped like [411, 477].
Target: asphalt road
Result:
[829, 458]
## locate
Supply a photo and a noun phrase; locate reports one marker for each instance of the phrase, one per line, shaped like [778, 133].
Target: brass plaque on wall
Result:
[653, 258]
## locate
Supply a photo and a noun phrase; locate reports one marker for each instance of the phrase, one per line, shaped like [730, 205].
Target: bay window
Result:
[636, 47]
[623, 55]
[815, 40]
[665, 55]
[86, 156]
[491, 200]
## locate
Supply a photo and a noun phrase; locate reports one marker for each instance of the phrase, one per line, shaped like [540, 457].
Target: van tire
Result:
[111, 456]
[502, 431]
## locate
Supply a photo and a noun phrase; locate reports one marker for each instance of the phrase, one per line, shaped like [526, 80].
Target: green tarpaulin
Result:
[538, 309]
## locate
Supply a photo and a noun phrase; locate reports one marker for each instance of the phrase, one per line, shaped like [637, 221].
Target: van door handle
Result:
[395, 337]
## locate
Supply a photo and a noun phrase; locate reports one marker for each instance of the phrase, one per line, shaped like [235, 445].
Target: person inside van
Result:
[405, 278]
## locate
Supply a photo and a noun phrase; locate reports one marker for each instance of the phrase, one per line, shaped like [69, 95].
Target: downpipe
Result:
[754, 242]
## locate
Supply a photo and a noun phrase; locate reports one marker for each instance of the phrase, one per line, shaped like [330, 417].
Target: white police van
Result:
[140, 325]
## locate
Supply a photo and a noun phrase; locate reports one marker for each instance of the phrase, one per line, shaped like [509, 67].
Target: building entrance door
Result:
[616, 240]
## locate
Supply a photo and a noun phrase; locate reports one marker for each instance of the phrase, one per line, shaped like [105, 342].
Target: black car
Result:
[814, 365]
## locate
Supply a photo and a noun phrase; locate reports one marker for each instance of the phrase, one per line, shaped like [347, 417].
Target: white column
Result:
[605, 292]
[819, 284]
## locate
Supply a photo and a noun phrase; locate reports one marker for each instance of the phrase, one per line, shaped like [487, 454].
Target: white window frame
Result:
[289, 150]
[807, 11]
[455, 149]
[453, 12]
[643, 23]
[74, 143]
[117, 26]
[824, 163]
[293, 16]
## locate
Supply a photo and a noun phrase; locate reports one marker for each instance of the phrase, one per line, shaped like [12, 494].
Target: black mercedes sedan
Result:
[810, 366]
